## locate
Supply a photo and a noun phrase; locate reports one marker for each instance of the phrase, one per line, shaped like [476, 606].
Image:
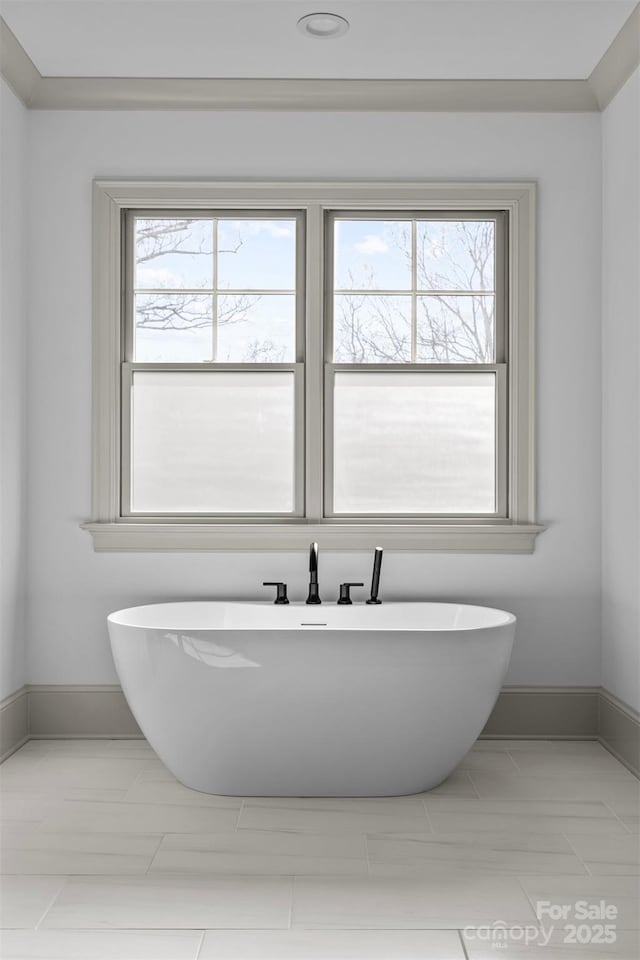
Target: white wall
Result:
[13, 324]
[555, 592]
[621, 395]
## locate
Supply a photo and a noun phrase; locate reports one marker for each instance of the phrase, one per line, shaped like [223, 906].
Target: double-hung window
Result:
[415, 373]
[213, 376]
[275, 363]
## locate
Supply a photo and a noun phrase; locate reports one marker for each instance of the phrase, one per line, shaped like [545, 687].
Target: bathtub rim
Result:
[313, 616]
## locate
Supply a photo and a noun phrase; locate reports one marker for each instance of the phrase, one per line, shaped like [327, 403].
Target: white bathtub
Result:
[253, 699]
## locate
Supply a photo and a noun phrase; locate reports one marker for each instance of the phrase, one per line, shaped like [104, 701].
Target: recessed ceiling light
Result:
[323, 26]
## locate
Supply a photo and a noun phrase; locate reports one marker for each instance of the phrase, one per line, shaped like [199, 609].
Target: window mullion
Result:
[317, 290]
[414, 289]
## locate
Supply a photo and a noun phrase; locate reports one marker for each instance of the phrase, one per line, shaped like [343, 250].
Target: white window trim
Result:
[111, 532]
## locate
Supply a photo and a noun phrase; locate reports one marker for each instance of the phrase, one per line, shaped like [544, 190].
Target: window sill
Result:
[501, 537]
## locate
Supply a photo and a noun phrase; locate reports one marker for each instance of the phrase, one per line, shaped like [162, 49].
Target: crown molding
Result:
[16, 67]
[618, 62]
[135, 93]
[166, 93]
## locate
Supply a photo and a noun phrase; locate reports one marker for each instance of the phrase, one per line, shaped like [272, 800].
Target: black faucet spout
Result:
[313, 562]
[314, 593]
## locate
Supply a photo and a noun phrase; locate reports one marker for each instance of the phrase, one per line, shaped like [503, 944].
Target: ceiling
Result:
[404, 39]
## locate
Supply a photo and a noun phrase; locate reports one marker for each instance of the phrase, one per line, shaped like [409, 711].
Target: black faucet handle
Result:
[345, 596]
[281, 590]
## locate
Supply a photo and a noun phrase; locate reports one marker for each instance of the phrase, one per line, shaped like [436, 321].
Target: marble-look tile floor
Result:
[105, 855]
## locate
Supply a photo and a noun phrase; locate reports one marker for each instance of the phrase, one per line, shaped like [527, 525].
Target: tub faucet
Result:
[314, 596]
[375, 579]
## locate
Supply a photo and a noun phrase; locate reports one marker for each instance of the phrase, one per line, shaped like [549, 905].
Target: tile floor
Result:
[105, 855]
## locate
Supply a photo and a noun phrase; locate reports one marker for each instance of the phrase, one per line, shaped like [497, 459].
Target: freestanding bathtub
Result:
[254, 699]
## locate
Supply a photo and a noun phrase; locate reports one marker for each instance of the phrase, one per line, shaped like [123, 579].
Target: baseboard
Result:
[619, 730]
[97, 711]
[61, 711]
[14, 722]
[564, 713]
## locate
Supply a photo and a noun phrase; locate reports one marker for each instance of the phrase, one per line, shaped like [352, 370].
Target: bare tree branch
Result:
[174, 310]
[157, 238]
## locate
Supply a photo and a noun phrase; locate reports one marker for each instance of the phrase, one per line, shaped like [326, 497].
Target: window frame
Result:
[499, 367]
[129, 365]
[513, 533]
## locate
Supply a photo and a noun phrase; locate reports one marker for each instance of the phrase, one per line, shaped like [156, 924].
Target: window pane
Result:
[173, 254]
[372, 255]
[257, 254]
[173, 328]
[256, 329]
[370, 328]
[414, 443]
[455, 329]
[212, 442]
[455, 255]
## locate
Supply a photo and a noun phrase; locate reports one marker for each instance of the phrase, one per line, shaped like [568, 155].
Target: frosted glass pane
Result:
[372, 255]
[173, 253]
[455, 254]
[455, 329]
[173, 328]
[256, 329]
[371, 328]
[414, 443]
[257, 254]
[212, 442]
